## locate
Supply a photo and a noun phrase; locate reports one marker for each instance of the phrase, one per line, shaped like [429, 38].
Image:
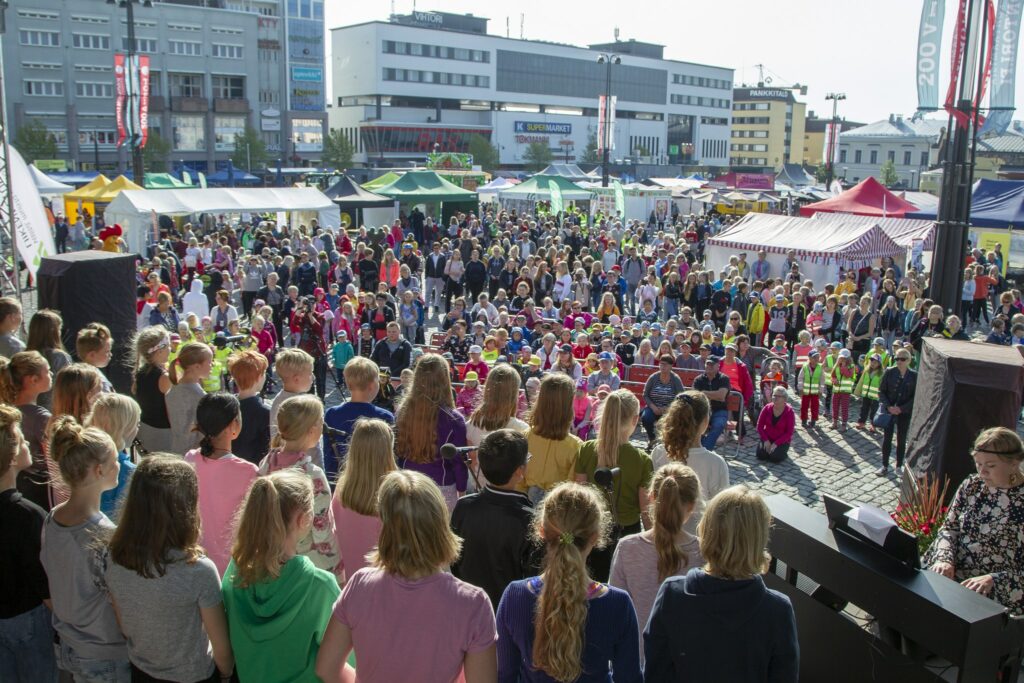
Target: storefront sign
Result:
[308, 74]
[543, 128]
[527, 139]
[270, 124]
[755, 181]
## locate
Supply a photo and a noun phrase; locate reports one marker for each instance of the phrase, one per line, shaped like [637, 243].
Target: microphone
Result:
[335, 433]
[450, 451]
[605, 477]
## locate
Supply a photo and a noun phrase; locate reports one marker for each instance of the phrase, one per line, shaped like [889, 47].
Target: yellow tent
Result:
[83, 197]
[107, 194]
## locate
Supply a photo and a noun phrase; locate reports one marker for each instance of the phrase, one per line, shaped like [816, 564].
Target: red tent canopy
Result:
[867, 198]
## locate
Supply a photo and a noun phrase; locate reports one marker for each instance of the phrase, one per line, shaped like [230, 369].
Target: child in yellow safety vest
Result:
[829, 361]
[809, 384]
[877, 348]
[844, 378]
[801, 350]
[867, 389]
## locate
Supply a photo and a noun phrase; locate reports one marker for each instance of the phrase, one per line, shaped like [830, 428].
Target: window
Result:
[144, 45]
[891, 156]
[392, 47]
[185, 47]
[186, 85]
[224, 130]
[307, 134]
[268, 96]
[842, 156]
[90, 41]
[188, 133]
[59, 136]
[906, 157]
[87, 89]
[89, 138]
[37, 14]
[229, 87]
[874, 157]
[924, 158]
[44, 66]
[227, 51]
[44, 88]
[39, 38]
[857, 153]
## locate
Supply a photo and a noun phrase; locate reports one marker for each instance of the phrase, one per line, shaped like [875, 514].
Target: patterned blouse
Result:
[320, 545]
[984, 534]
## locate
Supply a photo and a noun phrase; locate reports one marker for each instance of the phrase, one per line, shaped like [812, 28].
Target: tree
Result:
[821, 172]
[338, 150]
[250, 150]
[537, 156]
[887, 173]
[156, 153]
[485, 155]
[34, 141]
[590, 154]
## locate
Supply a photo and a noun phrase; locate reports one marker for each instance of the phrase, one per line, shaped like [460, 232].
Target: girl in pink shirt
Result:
[300, 424]
[224, 479]
[357, 524]
[406, 617]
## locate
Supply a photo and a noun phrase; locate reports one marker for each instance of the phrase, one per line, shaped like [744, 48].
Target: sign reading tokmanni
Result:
[543, 128]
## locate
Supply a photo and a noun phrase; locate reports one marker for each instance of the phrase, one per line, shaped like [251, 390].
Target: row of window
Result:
[182, 85]
[748, 148]
[397, 47]
[751, 106]
[749, 133]
[437, 77]
[713, 148]
[748, 161]
[306, 9]
[714, 121]
[94, 41]
[696, 101]
[756, 120]
[908, 157]
[701, 82]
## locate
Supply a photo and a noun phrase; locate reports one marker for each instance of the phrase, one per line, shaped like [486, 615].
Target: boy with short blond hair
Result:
[362, 376]
[295, 368]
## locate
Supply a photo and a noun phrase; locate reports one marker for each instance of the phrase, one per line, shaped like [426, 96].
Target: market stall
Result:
[81, 200]
[640, 201]
[359, 206]
[867, 198]
[427, 189]
[524, 197]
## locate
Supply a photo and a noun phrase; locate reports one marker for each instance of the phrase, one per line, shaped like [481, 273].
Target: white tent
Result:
[903, 231]
[489, 192]
[47, 185]
[136, 210]
[822, 247]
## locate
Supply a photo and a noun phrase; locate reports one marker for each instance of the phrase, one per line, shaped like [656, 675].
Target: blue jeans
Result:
[92, 670]
[671, 307]
[26, 647]
[715, 428]
[649, 420]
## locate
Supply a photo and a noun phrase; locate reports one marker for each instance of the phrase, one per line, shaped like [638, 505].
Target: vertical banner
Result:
[30, 224]
[955, 59]
[556, 198]
[985, 52]
[602, 110]
[830, 154]
[620, 199]
[143, 100]
[1006, 40]
[929, 49]
[202, 180]
[119, 86]
[611, 122]
[131, 79]
[154, 224]
[186, 177]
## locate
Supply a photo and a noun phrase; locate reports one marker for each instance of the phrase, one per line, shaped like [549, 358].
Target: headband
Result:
[163, 343]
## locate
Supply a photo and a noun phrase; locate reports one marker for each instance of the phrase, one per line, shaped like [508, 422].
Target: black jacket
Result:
[428, 265]
[392, 361]
[496, 544]
[890, 393]
[476, 273]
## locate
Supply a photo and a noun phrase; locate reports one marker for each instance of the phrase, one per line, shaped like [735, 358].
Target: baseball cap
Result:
[475, 348]
[364, 326]
[534, 360]
[565, 348]
[342, 333]
[713, 359]
[779, 297]
[605, 356]
[876, 356]
[471, 376]
[878, 341]
[616, 267]
[836, 345]
[656, 326]
[845, 353]
[732, 346]
[813, 354]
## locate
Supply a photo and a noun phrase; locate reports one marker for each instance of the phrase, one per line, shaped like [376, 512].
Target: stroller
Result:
[773, 373]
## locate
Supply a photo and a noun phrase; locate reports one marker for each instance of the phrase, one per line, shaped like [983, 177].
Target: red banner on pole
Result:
[986, 53]
[119, 85]
[143, 100]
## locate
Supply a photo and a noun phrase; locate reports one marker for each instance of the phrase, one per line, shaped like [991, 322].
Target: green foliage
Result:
[34, 141]
[590, 154]
[156, 153]
[485, 155]
[537, 156]
[250, 150]
[887, 174]
[338, 151]
[821, 172]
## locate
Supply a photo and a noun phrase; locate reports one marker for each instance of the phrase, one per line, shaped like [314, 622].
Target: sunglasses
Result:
[902, 360]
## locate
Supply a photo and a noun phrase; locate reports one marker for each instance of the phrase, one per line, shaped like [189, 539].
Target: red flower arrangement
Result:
[920, 510]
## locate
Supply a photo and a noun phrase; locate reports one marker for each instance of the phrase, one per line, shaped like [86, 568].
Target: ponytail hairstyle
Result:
[147, 341]
[370, 458]
[191, 353]
[11, 440]
[76, 449]
[263, 520]
[72, 388]
[15, 370]
[296, 416]
[117, 415]
[680, 426]
[160, 515]
[673, 489]
[215, 413]
[571, 519]
[618, 412]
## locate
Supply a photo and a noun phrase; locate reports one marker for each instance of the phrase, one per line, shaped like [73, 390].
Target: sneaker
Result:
[858, 425]
[881, 471]
[835, 425]
[845, 425]
[814, 424]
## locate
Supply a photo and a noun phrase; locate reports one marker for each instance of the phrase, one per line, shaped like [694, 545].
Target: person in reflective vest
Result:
[844, 378]
[809, 384]
[877, 348]
[829, 362]
[867, 389]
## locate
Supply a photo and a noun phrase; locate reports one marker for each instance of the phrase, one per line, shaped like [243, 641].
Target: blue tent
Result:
[994, 204]
[231, 176]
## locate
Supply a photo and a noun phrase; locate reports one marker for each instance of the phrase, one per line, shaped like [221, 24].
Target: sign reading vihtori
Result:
[543, 128]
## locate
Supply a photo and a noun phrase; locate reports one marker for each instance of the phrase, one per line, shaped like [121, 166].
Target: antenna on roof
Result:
[506, 26]
[616, 34]
[522, 23]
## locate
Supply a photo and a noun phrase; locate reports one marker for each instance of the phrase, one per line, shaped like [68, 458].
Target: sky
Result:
[863, 48]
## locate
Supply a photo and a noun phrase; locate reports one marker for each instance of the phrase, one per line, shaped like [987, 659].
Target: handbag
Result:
[883, 418]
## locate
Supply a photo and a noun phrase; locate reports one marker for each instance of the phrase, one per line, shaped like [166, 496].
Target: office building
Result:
[767, 129]
[912, 146]
[216, 67]
[431, 80]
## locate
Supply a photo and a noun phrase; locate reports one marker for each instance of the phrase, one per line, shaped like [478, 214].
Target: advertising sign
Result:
[929, 44]
[1004, 66]
[556, 198]
[543, 128]
[755, 181]
[143, 99]
[308, 74]
[119, 86]
[31, 224]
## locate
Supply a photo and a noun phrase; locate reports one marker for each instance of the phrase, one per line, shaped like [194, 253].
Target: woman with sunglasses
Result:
[896, 399]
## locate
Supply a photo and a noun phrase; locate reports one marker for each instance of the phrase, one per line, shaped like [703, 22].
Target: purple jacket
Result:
[779, 433]
[451, 428]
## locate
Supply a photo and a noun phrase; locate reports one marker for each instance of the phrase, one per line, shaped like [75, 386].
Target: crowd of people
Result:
[475, 501]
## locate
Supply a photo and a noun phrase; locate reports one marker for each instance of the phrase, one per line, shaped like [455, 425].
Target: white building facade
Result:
[427, 81]
[912, 146]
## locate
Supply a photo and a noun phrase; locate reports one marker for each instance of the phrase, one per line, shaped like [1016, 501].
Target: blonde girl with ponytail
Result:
[643, 561]
[186, 373]
[269, 587]
[562, 625]
[151, 350]
[620, 470]
[300, 425]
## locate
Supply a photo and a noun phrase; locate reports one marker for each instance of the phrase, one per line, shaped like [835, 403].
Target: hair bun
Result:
[65, 432]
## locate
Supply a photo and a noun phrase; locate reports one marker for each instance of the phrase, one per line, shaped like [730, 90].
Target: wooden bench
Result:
[640, 373]
[437, 338]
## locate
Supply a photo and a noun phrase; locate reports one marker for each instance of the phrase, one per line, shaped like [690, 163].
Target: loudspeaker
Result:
[94, 286]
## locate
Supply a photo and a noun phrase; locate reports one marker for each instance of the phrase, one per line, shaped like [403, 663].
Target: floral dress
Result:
[984, 534]
[320, 545]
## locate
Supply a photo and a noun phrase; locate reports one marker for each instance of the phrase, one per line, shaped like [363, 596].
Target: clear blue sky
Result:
[865, 48]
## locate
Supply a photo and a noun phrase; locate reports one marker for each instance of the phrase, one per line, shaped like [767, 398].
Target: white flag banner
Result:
[33, 235]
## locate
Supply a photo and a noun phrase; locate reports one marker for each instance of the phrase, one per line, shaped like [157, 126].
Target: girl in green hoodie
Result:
[277, 601]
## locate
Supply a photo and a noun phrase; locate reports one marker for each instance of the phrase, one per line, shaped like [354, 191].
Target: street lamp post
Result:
[912, 174]
[834, 140]
[138, 171]
[606, 138]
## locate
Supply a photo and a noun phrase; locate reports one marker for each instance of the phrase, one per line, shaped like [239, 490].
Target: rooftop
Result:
[897, 126]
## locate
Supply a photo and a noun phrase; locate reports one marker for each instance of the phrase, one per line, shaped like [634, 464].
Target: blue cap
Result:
[656, 326]
[605, 355]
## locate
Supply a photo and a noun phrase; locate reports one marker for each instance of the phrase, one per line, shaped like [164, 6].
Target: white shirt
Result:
[712, 472]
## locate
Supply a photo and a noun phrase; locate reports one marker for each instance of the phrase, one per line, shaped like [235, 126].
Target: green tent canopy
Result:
[537, 189]
[381, 181]
[425, 186]
[164, 181]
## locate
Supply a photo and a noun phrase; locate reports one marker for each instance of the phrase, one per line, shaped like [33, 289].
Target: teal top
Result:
[276, 626]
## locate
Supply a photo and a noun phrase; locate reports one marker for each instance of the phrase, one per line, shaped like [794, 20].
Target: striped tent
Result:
[822, 247]
[903, 231]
